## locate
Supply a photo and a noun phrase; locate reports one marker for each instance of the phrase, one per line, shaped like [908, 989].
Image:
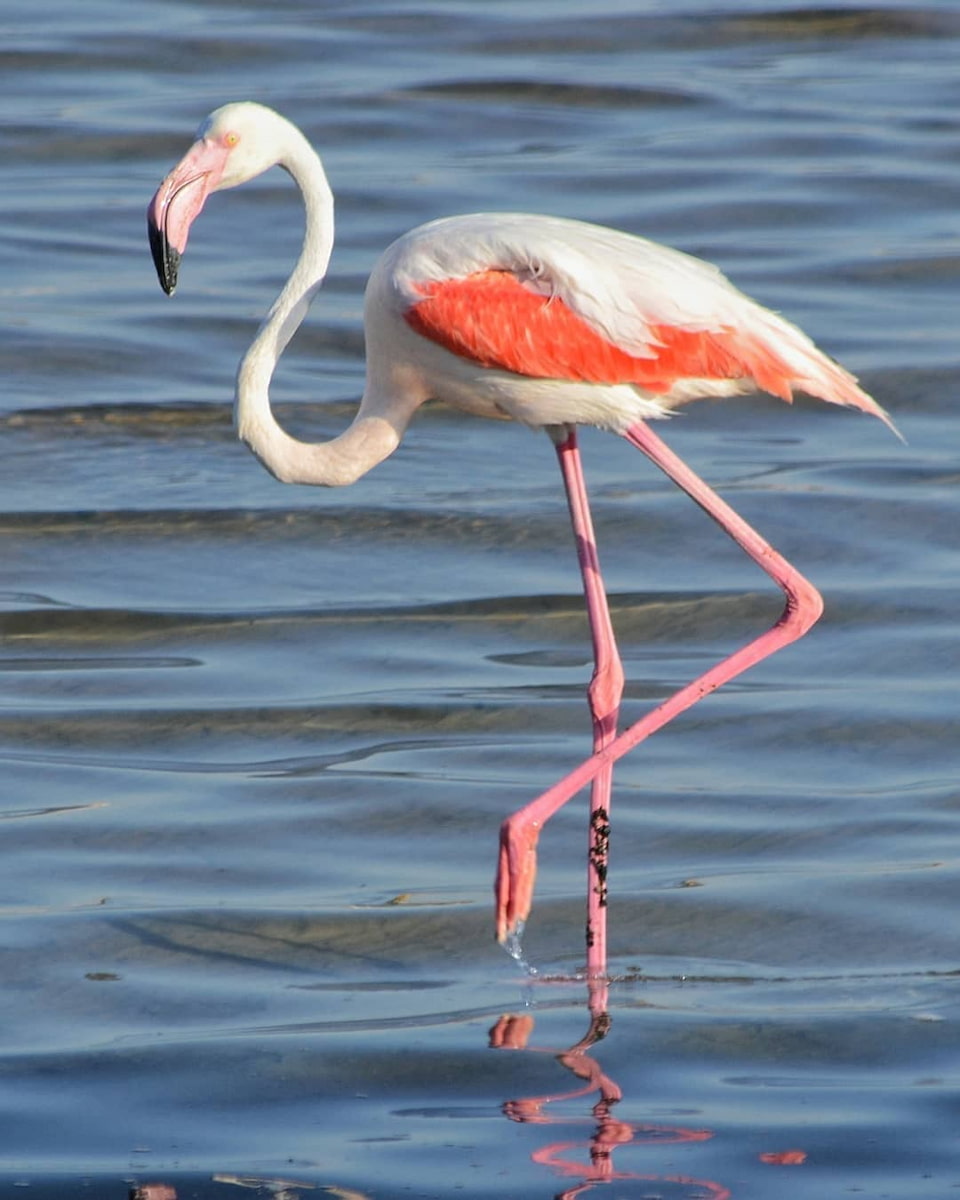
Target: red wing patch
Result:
[490, 318]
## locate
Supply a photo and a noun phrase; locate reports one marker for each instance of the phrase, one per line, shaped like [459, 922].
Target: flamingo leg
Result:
[520, 831]
[603, 694]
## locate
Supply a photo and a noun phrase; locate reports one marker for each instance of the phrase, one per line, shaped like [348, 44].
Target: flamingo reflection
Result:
[512, 1032]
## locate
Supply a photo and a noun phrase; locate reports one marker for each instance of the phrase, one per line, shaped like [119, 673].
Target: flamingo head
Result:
[235, 143]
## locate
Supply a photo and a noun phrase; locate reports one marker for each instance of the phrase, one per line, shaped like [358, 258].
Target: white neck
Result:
[370, 438]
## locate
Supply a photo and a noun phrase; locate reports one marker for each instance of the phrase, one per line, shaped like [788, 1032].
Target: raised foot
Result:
[516, 875]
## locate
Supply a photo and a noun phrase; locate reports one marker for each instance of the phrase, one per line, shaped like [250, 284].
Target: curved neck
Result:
[290, 307]
[369, 439]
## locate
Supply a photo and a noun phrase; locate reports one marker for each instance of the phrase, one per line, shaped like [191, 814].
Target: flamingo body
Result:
[551, 322]
[638, 328]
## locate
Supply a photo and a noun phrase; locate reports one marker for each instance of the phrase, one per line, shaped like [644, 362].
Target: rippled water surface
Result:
[256, 741]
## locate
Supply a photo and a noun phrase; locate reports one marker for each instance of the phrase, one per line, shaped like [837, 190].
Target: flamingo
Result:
[551, 322]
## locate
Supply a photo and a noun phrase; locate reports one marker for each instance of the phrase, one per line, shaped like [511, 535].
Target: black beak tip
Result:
[166, 258]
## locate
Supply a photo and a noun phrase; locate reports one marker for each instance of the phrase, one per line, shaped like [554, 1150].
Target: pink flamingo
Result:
[550, 322]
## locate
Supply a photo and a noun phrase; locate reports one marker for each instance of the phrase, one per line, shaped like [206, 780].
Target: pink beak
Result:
[177, 204]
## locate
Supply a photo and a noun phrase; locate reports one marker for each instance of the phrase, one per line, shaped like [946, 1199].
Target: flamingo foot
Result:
[511, 1032]
[516, 876]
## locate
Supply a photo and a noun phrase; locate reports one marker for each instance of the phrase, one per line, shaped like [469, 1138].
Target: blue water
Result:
[256, 741]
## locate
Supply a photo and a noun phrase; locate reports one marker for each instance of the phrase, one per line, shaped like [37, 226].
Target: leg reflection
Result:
[609, 1133]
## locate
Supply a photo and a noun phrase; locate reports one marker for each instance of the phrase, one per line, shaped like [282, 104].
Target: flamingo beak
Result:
[177, 204]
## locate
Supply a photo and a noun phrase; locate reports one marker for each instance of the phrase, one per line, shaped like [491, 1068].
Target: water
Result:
[257, 741]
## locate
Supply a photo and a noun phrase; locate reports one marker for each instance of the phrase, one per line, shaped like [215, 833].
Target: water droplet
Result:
[513, 947]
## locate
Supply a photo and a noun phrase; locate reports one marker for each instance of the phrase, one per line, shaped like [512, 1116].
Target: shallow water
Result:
[256, 741]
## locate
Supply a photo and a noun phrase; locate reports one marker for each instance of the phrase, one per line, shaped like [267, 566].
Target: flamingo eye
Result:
[231, 139]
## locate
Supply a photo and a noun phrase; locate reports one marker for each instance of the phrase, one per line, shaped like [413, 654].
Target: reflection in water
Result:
[278, 1189]
[512, 1032]
[283, 1189]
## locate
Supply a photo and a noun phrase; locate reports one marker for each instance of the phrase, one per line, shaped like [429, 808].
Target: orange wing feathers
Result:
[492, 319]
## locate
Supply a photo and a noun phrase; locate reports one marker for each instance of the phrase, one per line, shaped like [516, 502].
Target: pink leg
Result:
[519, 832]
[604, 692]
